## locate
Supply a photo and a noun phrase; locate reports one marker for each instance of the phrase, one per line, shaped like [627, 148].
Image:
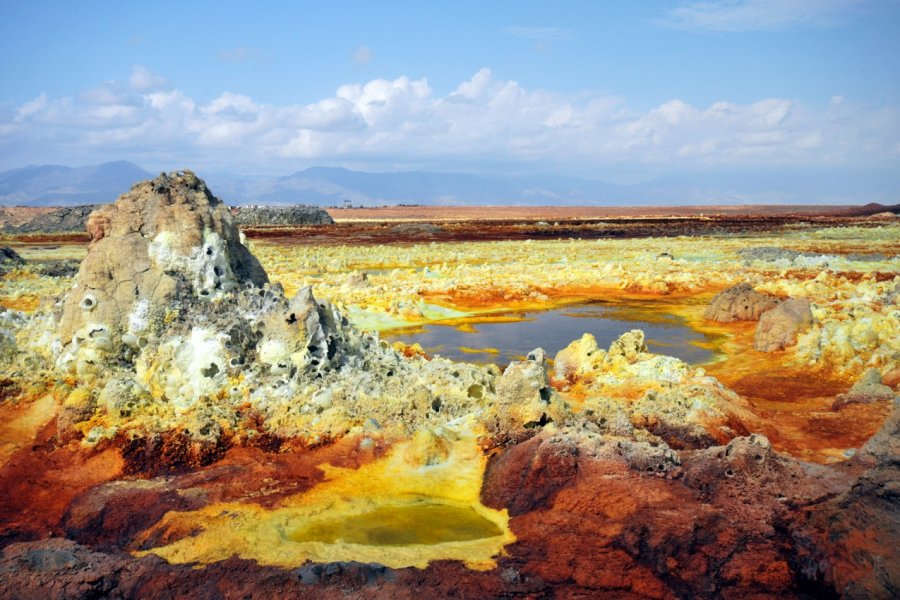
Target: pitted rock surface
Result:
[172, 333]
[739, 303]
[165, 241]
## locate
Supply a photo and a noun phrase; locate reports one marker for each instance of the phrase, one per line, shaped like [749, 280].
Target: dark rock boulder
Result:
[274, 216]
[67, 219]
[9, 259]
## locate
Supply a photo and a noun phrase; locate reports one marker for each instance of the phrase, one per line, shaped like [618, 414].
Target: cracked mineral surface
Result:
[187, 413]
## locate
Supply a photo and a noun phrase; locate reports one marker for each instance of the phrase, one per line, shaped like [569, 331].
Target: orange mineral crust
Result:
[793, 405]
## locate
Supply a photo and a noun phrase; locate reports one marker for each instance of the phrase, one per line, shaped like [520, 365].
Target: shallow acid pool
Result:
[501, 341]
[401, 525]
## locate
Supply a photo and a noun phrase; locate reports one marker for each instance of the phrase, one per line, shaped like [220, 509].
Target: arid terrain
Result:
[568, 213]
[190, 410]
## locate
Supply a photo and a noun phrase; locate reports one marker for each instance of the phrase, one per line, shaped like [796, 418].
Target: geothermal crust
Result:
[171, 325]
[621, 473]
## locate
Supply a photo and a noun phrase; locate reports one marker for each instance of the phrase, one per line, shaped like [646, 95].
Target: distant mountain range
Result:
[54, 185]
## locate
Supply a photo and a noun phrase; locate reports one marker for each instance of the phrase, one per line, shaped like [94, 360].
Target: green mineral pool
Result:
[401, 525]
[501, 342]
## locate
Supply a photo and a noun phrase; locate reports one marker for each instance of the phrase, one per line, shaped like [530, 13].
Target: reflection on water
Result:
[553, 330]
[401, 525]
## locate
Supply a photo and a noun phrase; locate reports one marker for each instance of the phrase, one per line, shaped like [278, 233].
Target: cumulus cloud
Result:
[362, 55]
[484, 120]
[143, 80]
[760, 15]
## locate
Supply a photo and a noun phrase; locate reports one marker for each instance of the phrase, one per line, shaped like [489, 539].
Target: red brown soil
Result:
[422, 231]
[17, 215]
[58, 487]
[392, 225]
[589, 523]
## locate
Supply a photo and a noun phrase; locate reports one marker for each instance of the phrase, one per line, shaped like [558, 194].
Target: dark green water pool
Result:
[401, 526]
[553, 330]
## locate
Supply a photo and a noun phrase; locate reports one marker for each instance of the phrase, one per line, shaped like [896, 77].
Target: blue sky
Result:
[615, 90]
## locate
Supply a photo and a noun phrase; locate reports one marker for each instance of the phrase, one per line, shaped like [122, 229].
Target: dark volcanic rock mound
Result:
[272, 216]
[67, 219]
[73, 219]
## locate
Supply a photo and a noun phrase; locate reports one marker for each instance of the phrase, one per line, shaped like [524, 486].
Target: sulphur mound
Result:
[173, 328]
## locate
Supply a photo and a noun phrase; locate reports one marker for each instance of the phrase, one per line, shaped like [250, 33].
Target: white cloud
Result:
[143, 80]
[362, 55]
[31, 107]
[760, 15]
[484, 120]
[231, 103]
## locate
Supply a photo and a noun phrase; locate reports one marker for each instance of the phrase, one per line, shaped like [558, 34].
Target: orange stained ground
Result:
[479, 298]
[792, 404]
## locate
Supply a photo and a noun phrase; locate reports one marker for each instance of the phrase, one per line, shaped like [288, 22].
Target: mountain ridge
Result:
[57, 185]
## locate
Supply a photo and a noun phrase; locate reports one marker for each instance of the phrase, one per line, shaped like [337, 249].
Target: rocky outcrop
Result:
[525, 397]
[629, 391]
[771, 254]
[37, 571]
[8, 255]
[9, 260]
[869, 388]
[778, 328]
[72, 219]
[788, 257]
[849, 541]
[600, 516]
[275, 216]
[11, 322]
[739, 303]
[160, 247]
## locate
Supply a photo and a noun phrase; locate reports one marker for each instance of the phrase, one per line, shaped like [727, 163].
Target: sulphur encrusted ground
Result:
[377, 500]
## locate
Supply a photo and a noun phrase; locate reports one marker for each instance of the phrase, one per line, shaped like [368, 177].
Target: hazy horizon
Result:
[59, 185]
